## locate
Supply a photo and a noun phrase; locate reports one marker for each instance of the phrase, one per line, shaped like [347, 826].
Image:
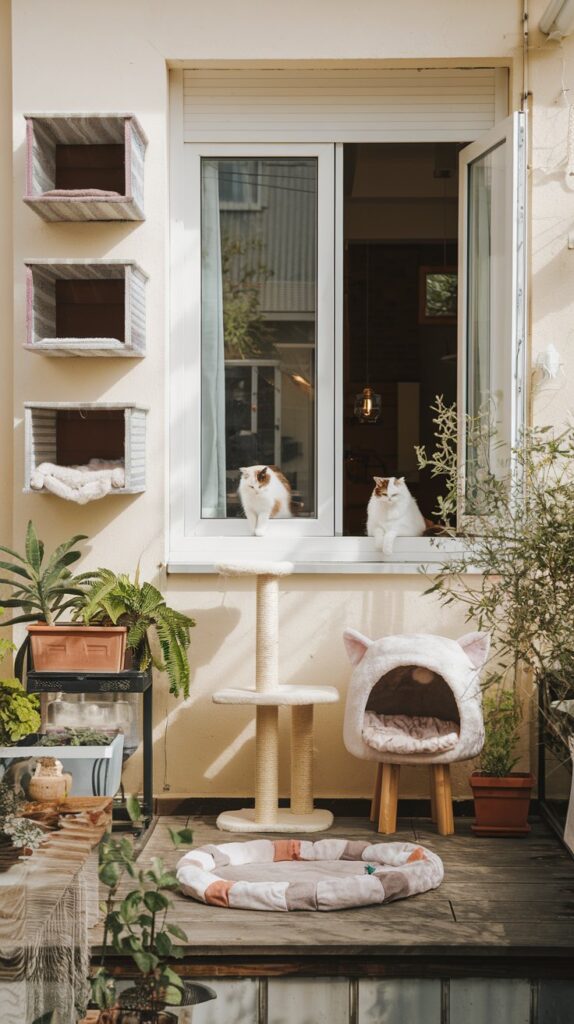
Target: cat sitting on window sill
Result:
[392, 512]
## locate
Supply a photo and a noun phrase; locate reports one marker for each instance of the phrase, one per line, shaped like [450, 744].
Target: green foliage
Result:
[76, 738]
[242, 273]
[515, 578]
[119, 601]
[22, 832]
[443, 460]
[502, 717]
[42, 589]
[136, 925]
[18, 710]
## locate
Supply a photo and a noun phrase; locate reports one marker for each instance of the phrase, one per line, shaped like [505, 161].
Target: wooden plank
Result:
[492, 889]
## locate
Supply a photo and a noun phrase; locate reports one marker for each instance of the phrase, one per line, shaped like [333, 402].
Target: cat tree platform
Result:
[267, 697]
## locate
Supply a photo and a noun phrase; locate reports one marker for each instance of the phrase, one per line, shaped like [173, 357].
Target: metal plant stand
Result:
[92, 683]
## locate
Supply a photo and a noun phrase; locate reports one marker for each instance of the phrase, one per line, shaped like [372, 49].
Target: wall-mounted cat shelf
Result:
[85, 166]
[66, 434]
[85, 308]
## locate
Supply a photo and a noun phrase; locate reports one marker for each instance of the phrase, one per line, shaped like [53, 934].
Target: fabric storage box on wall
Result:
[83, 166]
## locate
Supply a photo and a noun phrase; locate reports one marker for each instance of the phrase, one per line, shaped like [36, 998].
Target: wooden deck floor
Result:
[505, 908]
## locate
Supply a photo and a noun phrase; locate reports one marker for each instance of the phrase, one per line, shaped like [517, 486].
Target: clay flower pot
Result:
[69, 648]
[501, 804]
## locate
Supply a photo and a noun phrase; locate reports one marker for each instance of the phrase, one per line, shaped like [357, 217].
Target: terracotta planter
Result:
[69, 648]
[501, 804]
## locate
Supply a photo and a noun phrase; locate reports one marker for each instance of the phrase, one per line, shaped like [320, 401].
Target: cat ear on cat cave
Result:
[378, 480]
[476, 647]
[399, 479]
[356, 645]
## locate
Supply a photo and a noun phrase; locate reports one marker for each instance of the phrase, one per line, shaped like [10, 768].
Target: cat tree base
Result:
[244, 821]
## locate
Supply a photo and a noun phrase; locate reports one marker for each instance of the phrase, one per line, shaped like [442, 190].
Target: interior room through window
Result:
[400, 296]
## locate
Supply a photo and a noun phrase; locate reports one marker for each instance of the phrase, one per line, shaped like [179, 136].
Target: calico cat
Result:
[392, 512]
[264, 494]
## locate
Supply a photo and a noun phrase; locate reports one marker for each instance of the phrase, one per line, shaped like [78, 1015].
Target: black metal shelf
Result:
[129, 681]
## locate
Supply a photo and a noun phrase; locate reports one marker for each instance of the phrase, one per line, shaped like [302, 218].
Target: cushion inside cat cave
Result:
[415, 698]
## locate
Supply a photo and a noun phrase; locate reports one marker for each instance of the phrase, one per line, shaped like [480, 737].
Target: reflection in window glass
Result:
[486, 317]
[258, 338]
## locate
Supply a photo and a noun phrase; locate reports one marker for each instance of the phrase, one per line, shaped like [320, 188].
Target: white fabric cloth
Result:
[79, 483]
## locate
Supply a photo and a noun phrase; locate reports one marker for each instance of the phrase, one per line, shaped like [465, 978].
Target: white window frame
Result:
[191, 547]
[508, 362]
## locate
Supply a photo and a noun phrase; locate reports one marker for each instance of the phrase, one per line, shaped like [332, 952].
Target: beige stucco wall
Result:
[110, 56]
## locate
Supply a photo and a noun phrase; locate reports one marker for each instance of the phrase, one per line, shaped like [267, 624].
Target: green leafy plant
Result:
[515, 576]
[119, 601]
[22, 833]
[19, 714]
[135, 925]
[42, 588]
[502, 717]
[243, 273]
[76, 738]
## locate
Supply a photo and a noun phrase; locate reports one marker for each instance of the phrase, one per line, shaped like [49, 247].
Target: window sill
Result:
[324, 555]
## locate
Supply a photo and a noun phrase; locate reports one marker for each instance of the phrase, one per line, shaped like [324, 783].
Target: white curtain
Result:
[213, 493]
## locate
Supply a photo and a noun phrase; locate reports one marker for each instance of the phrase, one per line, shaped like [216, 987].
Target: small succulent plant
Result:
[23, 833]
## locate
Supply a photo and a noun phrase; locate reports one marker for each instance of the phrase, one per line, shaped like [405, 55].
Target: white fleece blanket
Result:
[79, 483]
[403, 734]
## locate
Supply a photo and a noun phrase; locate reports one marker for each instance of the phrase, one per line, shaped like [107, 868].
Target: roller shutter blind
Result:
[333, 105]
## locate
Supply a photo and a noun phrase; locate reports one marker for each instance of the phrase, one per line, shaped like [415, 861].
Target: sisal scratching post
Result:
[266, 764]
[267, 697]
[302, 759]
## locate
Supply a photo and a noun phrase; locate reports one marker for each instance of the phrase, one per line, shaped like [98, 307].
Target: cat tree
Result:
[267, 697]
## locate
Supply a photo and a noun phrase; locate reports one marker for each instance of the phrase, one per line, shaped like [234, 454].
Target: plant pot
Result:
[95, 770]
[69, 648]
[501, 804]
[49, 781]
[193, 994]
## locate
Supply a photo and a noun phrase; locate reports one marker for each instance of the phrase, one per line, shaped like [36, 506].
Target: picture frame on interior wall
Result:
[438, 291]
[86, 308]
[72, 434]
[82, 166]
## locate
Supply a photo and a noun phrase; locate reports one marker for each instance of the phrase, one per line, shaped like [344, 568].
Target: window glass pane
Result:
[258, 339]
[486, 318]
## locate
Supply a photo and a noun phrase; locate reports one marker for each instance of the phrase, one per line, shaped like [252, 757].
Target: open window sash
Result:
[199, 511]
[491, 306]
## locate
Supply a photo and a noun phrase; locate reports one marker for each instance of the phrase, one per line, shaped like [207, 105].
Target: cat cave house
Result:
[415, 699]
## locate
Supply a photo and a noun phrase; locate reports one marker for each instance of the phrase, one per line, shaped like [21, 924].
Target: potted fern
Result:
[116, 600]
[501, 795]
[44, 589]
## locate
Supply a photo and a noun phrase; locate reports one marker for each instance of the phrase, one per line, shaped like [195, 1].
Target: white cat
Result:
[392, 512]
[265, 494]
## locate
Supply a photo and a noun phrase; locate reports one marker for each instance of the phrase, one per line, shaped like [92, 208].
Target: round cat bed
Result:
[294, 874]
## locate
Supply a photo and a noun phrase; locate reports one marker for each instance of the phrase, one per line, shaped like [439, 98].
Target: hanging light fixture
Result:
[367, 403]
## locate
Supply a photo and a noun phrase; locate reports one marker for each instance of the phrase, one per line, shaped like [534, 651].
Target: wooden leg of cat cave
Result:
[376, 801]
[389, 798]
[441, 789]
[302, 759]
[432, 794]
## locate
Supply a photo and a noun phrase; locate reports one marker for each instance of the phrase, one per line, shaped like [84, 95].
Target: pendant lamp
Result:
[368, 403]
